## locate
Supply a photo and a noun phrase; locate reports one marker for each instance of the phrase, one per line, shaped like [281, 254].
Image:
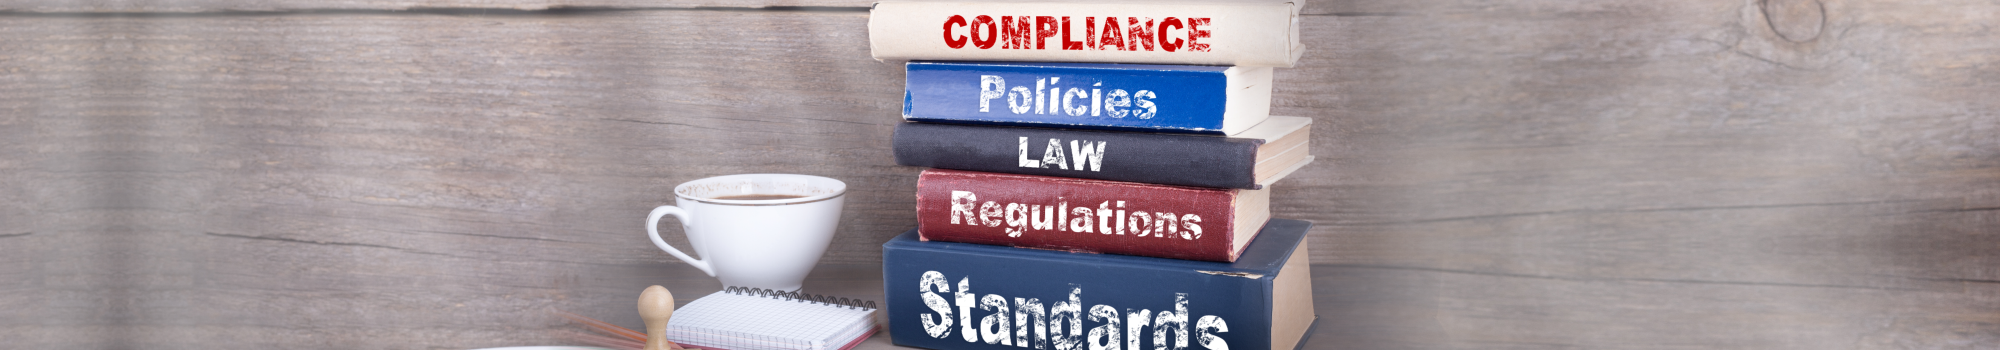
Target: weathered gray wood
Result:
[499, 7]
[241, 178]
[1667, 174]
[467, 7]
[1521, 175]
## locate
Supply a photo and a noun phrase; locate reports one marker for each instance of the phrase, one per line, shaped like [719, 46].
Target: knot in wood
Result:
[1795, 20]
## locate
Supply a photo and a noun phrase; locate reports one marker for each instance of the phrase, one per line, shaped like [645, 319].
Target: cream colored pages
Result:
[1249, 100]
[1274, 128]
[1239, 33]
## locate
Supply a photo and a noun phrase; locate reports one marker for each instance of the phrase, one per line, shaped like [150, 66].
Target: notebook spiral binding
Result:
[802, 297]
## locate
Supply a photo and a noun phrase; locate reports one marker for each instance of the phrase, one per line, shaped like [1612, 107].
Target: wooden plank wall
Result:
[1534, 174]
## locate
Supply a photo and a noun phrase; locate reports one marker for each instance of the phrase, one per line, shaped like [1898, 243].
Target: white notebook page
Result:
[751, 322]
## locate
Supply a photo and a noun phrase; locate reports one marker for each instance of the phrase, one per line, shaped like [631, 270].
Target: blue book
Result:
[1131, 97]
[944, 295]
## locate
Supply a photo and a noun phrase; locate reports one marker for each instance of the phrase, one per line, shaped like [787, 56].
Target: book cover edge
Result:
[913, 242]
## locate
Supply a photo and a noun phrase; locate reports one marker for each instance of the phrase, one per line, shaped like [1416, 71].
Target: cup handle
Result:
[653, 231]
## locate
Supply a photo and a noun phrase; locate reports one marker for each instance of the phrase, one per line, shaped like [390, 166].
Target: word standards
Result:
[946, 295]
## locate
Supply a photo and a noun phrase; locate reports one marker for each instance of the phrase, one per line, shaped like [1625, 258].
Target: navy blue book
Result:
[1129, 97]
[1248, 160]
[953, 296]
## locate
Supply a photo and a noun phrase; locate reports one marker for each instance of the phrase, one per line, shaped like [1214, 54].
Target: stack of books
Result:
[1100, 176]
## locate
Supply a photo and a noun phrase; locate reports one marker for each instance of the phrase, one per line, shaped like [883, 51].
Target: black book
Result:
[1247, 160]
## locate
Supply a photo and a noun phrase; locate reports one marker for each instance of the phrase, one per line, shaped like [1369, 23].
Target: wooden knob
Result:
[1795, 20]
[656, 306]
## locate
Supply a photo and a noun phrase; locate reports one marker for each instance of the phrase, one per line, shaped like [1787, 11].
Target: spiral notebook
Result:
[740, 318]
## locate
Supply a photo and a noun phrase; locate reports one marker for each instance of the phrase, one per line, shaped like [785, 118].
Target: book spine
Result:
[1119, 97]
[1240, 34]
[943, 295]
[1166, 159]
[1077, 215]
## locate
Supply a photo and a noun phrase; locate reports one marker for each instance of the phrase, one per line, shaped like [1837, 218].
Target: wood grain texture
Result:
[469, 7]
[493, 7]
[1664, 175]
[1540, 174]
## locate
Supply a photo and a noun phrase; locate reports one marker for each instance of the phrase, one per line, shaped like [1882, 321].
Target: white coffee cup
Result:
[753, 242]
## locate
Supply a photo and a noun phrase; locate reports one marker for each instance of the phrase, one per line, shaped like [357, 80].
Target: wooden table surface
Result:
[1540, 174]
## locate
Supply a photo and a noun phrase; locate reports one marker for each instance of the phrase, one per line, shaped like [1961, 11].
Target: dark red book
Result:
[1191, 223]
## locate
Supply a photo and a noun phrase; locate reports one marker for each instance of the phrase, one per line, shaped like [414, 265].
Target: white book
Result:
[1260, 33]
[758, 319]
